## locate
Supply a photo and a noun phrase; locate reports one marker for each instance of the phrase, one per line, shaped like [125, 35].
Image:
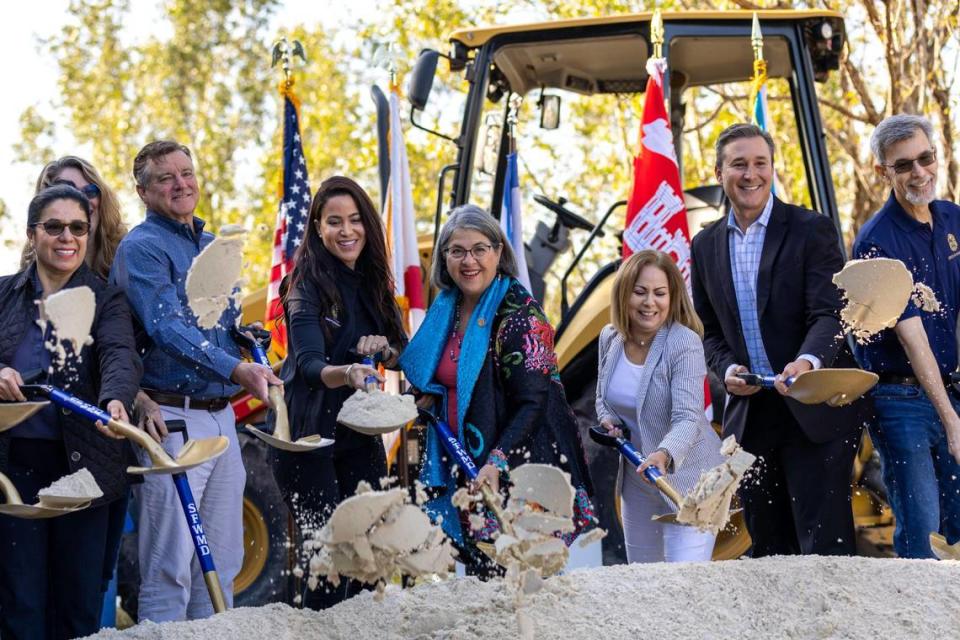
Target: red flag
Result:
[656, 214]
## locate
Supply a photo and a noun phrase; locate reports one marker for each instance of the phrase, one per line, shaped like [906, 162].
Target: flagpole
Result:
[656, 33]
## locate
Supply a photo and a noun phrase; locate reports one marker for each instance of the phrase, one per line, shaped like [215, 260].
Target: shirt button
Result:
[75, 456]
[65, 411]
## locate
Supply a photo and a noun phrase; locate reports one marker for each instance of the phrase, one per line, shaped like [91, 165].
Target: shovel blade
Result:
[13, 413]
[308, 443]
[38, 511]
[193, 454]
[943, 550]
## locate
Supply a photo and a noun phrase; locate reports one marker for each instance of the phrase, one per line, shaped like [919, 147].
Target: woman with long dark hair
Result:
[338, 308]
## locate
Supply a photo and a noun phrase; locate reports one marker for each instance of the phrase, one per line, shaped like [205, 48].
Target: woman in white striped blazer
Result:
[651, 382]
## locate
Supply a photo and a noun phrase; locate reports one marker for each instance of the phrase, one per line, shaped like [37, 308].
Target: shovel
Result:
[13, 413]
[194, 452]
[833, 387]
[280, 438]
[49, 506]
[192, 513]
[404, 414]
[628, 451]
[942, 550]
[463, 459]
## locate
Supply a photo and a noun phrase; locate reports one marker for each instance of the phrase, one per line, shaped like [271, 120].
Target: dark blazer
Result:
[318, 339]
[797, 305]
[108, 369]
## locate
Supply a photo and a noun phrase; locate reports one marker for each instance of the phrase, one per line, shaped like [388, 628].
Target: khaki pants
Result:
[171, 583]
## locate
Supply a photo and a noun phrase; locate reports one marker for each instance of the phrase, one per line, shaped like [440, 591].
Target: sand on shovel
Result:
[79, 486]
[707, 505]
[70, 313]
[214, 274]
[375, 534]
[375, 412]
[877, 290]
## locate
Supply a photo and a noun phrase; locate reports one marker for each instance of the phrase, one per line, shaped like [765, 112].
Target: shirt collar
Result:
[763, 220]
[903, 219]
[177, 227]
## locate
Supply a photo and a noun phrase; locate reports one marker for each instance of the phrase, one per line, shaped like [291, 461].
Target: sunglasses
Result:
[54, 227]
[925, 159]
[91, 190]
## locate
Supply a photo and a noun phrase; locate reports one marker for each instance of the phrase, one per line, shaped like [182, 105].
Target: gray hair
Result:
[472, 217]
[897, 128]
[740, 131]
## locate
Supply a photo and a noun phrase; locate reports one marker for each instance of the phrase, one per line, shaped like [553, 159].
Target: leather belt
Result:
[186, 402]
[892, 378]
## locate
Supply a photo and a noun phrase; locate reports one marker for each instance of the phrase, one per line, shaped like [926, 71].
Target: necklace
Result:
[454, 355]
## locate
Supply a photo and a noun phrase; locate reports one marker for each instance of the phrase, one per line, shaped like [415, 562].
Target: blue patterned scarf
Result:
[419, 363]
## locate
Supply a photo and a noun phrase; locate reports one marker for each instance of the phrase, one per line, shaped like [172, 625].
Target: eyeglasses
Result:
[55, 227]
[91, 190]
[479, 252]
[925, 159]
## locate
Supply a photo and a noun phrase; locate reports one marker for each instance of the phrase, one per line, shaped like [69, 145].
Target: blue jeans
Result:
[922, 478]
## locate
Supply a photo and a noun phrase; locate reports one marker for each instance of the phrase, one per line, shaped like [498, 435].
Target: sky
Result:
[31, 79]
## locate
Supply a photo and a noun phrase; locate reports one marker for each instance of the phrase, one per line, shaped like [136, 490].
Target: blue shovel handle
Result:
[192, 513]
[454, 448]
[65, 400]
[370, 380]
[766, 382]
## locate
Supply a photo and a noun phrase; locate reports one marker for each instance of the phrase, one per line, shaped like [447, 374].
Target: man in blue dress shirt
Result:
[191, 373]
[917, 431]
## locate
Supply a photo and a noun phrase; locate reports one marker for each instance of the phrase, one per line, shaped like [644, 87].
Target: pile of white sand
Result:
[783, 597]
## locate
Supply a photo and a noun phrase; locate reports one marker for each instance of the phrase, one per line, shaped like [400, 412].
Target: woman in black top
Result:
[338, 307]
[51, 570]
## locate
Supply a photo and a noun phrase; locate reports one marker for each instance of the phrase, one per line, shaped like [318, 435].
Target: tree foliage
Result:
[203, 77]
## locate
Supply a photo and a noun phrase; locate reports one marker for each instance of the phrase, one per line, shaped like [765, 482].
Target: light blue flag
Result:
[510, 219]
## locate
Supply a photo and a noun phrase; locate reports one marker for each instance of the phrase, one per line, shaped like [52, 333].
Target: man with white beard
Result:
[917, 430]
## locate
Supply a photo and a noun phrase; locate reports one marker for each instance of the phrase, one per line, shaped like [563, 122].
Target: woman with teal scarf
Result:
[484, 354]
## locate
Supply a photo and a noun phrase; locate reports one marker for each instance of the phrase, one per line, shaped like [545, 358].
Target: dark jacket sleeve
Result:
[120, 366]
[719, 355]
[822, 259]
[305, 333]
[528, 364]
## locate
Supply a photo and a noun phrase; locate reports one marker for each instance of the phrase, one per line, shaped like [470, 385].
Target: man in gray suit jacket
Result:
[762, 284]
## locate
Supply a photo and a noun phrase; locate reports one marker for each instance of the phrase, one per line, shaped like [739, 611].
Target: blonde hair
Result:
[110, 229]
[681, 307]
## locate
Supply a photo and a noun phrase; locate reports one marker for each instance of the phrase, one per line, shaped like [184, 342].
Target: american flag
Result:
[292, 216]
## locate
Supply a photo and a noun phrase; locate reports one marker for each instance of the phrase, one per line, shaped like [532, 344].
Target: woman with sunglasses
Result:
[106, 222]
[484, 356]
[106, 231]
[51, 570]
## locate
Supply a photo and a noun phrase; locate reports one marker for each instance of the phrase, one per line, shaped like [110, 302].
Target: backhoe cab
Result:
[563, 67]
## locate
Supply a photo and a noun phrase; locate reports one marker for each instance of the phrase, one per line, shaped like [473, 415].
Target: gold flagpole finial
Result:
[756, 38]
[283, 50]
[656, 33]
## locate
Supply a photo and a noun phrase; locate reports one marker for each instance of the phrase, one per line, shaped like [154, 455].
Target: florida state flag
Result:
[656, 215]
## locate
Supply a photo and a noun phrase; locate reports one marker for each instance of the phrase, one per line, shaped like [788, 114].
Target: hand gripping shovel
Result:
[48, 506]
[628, 451]
[463, 459]
[834, 387]
[192, 513]
[194, 452]
[280, 438]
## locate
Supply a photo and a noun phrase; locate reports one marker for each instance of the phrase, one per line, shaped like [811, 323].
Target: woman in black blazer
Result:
[51, 570]
[338, 307]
